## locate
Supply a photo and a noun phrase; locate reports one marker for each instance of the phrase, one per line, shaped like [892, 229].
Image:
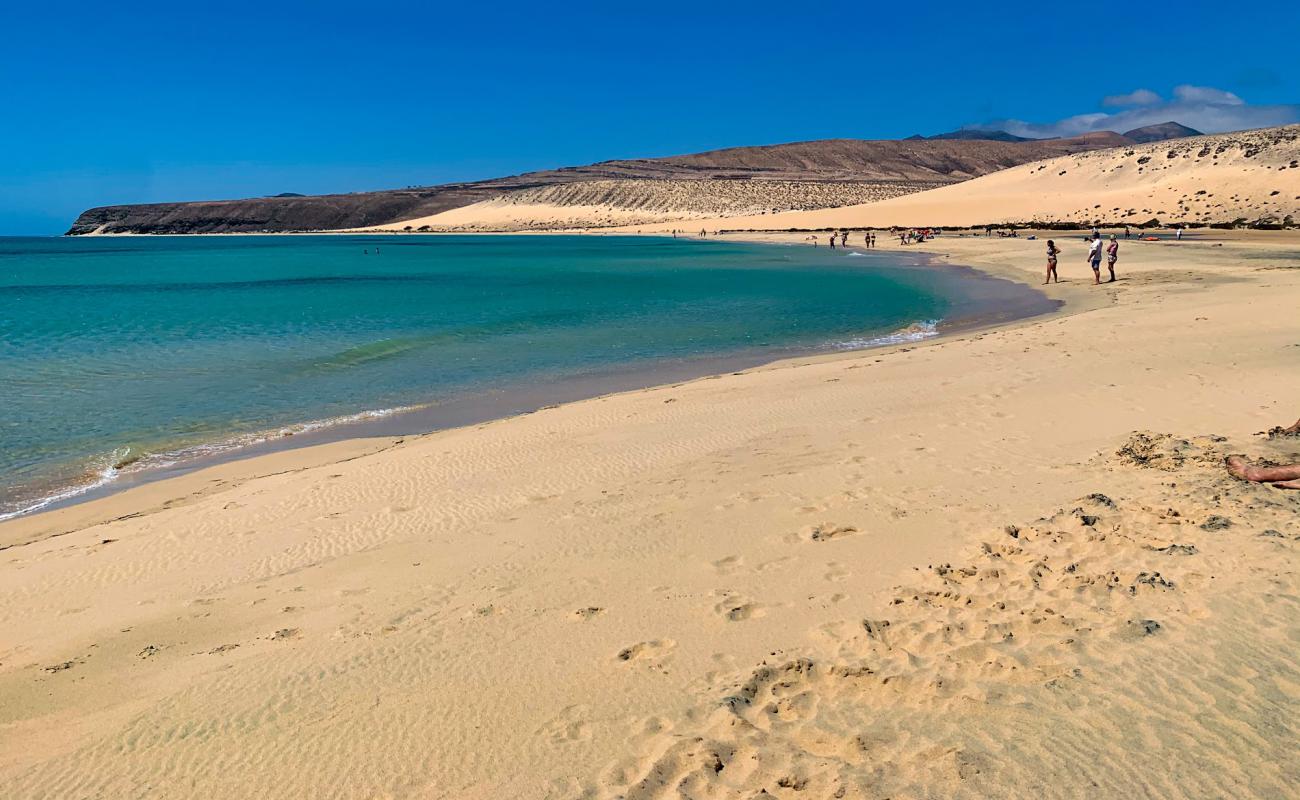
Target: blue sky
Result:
[147, 102]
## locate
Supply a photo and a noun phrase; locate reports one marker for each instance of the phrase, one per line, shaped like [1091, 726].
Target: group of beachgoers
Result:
[915, 235]
[1096, 248]
[905, 236]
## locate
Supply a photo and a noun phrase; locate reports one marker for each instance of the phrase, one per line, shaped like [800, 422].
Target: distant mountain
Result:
[917, 163]
[1161, 132]
[979, 135]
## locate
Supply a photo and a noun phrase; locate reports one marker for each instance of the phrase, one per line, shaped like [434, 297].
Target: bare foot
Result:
[1239, 467]
[1287, 484]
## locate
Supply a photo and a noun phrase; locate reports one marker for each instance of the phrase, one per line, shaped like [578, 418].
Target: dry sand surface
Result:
[946, 570]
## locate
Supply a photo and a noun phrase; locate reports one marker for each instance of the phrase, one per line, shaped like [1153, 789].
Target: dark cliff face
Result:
[275, 214]
[827, 160]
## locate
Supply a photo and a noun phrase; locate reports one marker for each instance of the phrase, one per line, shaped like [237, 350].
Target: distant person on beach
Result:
[1127, 232]
[832, 240]
[1052, 253]
[844, 238]
[1178, 235]
[1094, 257]
[1112, 255]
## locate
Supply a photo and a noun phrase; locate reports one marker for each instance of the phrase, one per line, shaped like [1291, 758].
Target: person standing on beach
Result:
[1178, 235]
[832, 240]
[1112, 255]
[1094, 257]
[1052, 253]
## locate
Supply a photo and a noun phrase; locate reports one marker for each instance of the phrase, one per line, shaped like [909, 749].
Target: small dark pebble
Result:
[1144, 627]
[1216, 523]
[1101, 499]
[1176, 549]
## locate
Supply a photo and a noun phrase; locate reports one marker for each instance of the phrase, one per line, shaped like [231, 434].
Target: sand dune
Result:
[852, 576]
[1244, 177]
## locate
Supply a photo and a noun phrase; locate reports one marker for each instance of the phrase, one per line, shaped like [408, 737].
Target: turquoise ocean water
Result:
[121, 354]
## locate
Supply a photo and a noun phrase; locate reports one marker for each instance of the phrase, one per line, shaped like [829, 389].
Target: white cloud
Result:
[1137, 97]
[1204, 108]
[1205, 94]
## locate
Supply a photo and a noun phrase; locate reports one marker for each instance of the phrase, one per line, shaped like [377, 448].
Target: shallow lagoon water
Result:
[122, 355]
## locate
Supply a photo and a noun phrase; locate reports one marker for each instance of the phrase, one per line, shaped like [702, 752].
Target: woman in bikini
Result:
[1112, 255]
[1052, 252]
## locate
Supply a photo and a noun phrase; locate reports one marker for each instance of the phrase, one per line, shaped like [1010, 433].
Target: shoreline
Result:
[857, 570]
[976, 311]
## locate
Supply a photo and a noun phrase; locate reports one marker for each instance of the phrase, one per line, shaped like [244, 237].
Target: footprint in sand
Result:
[835, 572]
[651, 653]
[588, 613]
[570, 725]
[728, 565]
[827, 531]
[736, 608]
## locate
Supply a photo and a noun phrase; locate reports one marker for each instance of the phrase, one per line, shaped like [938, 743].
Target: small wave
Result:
[912, 333]
[182, 455]
[107, 468]
[104, 471]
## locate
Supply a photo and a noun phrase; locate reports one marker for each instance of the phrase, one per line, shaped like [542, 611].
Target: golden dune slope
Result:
[1236, 177]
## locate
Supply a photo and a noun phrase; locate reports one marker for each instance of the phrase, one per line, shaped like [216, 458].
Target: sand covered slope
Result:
[1247, 177]
[596, 204]
[948, 569]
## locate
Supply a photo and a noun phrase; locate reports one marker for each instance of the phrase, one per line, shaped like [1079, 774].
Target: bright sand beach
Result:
[997, 564]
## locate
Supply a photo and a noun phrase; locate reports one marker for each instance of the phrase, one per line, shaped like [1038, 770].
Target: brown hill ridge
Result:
[865, 169]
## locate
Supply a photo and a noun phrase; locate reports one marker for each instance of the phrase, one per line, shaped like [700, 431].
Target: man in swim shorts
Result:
[1094, 258]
